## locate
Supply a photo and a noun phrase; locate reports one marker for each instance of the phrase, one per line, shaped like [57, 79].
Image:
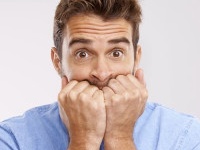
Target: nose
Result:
[101, 70]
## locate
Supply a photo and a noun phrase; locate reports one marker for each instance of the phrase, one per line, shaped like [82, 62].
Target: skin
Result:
[100, 98]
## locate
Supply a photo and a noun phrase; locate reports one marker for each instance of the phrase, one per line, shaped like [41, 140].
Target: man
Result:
[102, 102]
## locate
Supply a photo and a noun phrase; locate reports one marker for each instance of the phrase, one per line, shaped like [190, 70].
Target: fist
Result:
[125, 99]
[83, 109]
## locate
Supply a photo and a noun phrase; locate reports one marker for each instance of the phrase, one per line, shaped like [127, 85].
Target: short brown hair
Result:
[129, 10]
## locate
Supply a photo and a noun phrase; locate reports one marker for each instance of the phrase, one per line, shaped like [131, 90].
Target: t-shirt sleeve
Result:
[7, 139]
[192, 140]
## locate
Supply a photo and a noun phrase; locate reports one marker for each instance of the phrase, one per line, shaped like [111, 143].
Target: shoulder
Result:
[34, 128]
[157, 111]
[170, 118]
[168, 127]
[40, 112]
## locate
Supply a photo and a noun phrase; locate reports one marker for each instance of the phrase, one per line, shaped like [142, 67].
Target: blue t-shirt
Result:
[158, 128]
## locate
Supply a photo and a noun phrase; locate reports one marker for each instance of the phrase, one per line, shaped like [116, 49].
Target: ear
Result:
[137, 58]
[56, 60]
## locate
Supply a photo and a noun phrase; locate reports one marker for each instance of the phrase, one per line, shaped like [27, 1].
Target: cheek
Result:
[127, 66]
[78, 73]
[123, 68]
[73, 71]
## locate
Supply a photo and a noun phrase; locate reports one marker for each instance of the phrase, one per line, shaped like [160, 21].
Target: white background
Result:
[170, 38]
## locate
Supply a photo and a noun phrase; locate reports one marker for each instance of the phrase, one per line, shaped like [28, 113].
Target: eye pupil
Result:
[116, 54]
[82, 54]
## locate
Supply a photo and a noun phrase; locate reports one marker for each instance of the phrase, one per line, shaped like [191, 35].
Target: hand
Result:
[82, 109]
[125, 99]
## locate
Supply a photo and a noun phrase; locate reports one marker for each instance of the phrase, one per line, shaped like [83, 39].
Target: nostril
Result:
[101, 76]
[99, 83]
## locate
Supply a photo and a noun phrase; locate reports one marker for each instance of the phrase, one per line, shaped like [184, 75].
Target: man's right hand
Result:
[83, 111]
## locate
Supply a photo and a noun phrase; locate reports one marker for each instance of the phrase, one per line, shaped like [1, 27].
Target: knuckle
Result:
[85, 82]
[61, 96]
[94, 88]
[126, 95]
[82, 96]
[74, 82]
[72, 95]
[136, 93]
[119, 77]
[112, 81]
[116, 98]
[130, 76]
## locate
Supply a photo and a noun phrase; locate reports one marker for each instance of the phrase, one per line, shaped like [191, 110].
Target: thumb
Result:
[139, 74]
[64, 81]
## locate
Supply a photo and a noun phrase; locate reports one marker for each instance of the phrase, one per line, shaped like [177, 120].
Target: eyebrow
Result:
[79, 40]
[119, 40]
[88, 41]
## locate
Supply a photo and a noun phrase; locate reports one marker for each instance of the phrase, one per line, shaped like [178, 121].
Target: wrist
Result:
[119, 134]
[85, 143]
[119, 141]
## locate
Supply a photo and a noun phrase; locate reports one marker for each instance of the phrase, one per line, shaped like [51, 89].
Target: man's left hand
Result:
[125, 99]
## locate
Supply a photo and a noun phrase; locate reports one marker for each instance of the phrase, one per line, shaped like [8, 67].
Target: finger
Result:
[64, 81]
[116, 86]
[78, 88]
[134, 80]
[90, 90]
[99, 99]
[64, 92]
[108, 93]
[98, 95]
[139, 74]
[67, 87]
[125, 81]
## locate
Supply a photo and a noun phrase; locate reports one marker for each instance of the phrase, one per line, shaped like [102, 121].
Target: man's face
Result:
[96, 51]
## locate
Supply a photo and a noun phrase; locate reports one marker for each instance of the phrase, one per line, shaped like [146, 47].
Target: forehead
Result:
[93, 25]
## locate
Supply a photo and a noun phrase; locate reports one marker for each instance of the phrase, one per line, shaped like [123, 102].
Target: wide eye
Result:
[81, 54]
[117, 53]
